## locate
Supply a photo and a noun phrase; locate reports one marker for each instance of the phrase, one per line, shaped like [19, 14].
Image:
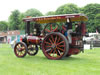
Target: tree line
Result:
[91, 10]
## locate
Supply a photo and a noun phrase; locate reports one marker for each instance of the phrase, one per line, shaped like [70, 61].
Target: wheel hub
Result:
[31, 49]
[53, 46]
[19, 49]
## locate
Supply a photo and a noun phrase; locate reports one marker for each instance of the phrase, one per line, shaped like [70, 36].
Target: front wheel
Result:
[55, 46]
[32, 50]
[20, 49]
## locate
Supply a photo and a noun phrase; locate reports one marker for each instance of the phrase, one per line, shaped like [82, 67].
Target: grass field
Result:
[87, 63]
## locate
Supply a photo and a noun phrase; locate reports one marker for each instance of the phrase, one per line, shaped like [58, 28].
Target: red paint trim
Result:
[73, 51]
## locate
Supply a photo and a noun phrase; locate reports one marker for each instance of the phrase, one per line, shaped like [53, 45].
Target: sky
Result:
[7, 6]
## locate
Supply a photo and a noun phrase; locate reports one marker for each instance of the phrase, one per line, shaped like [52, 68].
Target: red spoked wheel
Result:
[50, 28]
[32, 50]
[55, 46]
[20, 49]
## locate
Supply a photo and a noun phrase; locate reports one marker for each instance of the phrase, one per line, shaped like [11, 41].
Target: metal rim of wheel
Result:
[55, 46]
[32, 50]
[20, 49]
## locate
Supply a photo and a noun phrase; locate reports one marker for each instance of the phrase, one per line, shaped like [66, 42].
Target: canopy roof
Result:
[57, 18]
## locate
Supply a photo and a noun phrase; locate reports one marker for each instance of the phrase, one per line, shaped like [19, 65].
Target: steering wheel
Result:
[49, 28]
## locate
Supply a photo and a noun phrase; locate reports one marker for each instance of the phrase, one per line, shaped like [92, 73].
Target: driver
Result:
[38, 28]
[78, 28]
[69, 31]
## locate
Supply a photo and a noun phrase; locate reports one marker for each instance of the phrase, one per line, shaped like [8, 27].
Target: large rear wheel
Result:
[55, 46]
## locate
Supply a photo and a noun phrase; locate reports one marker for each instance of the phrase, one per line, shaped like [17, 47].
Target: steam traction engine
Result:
[56, 41]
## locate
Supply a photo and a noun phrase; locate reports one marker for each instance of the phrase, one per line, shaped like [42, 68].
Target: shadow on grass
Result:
[44, 59]
[34, 58]
[72, 58]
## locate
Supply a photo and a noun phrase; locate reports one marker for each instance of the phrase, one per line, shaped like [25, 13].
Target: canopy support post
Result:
[27, 28]
[83, 28]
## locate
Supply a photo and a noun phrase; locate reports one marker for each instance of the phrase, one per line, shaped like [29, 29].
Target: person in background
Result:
[38, 28]
[21, 38]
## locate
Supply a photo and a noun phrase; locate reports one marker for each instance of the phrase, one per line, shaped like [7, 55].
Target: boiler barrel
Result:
[33, 39]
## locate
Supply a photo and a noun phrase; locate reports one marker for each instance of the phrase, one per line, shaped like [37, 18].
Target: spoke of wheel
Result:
[51, 51]
[55, 39]
[54, 52]
[18, 46]
[23, 48]
[23, 51]
[48, 50]
[47, 43]
[48, 46]
[16, 50]
[31, 45]
[51, 27]
[29, 48]
[59, 52]
[58, 39]
[50, 41]
[61, 45]
[19, 53]
[52, 38]
[60, 49]
[60, 42]
[55, 28]
[47, 30]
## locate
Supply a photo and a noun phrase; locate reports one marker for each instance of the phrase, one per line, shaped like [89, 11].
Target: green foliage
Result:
[33, 12]
[50, 13]
[3, 26]
[97, 22]
[67, 9]
[91, 10]
[14, 21]
[22, 24]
